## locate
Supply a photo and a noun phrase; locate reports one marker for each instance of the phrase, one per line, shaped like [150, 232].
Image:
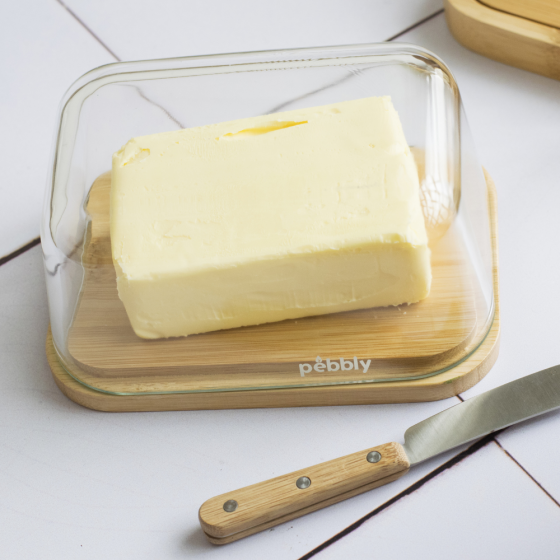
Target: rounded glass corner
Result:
[109, 105]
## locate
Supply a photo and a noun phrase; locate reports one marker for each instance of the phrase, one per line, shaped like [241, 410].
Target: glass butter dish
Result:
[428, 350]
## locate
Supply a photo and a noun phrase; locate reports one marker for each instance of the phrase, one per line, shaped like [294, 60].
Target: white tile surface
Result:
[170, 28]
[483, 507]
[44, 50]
[79, 483]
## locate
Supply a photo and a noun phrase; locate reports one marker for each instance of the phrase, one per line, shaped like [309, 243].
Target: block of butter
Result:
[268, 218]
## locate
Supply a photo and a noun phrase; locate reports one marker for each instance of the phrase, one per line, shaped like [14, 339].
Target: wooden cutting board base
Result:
[512, 39]
[451, 382]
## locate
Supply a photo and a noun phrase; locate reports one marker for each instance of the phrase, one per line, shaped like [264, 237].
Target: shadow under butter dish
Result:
[259, 220]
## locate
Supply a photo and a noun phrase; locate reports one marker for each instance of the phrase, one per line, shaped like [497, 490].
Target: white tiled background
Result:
[80, 484]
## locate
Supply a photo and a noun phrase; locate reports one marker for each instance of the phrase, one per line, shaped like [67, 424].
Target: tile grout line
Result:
[170, 116]
[526, 472]
[106, 47]
[73, 14]
[412, 488]
[20, 251]
[399, 34]
[415, 25]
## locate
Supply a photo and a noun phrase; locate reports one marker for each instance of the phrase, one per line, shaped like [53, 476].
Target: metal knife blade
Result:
[486, 413]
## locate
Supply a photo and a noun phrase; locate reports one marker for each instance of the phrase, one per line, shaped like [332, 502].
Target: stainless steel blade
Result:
[501, 407]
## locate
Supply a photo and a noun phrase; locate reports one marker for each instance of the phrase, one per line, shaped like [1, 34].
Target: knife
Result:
[234, 515]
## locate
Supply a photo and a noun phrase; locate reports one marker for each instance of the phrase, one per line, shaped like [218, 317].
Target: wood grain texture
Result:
[310, 509]
[542, 11]
[273, 500]
[504, 37]
[451, 382]
[400, 341]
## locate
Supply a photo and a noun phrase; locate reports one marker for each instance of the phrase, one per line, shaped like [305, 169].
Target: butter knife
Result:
[234, 515]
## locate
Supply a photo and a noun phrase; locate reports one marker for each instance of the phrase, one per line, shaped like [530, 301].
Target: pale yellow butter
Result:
[276, 217]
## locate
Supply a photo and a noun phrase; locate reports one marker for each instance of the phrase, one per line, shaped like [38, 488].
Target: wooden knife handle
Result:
[241, 513]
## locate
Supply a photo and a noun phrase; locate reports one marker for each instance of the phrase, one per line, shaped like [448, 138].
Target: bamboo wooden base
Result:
[453, 381]
[506, 37]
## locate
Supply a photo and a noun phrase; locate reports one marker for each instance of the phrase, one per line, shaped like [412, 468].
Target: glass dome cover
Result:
[91, 332]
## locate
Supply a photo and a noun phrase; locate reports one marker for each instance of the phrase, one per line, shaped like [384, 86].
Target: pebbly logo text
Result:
[335, 365]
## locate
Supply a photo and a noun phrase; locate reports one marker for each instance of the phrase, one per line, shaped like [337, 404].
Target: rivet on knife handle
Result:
[254, 508]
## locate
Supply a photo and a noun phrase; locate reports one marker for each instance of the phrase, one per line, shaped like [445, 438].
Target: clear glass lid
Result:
[95, 325]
